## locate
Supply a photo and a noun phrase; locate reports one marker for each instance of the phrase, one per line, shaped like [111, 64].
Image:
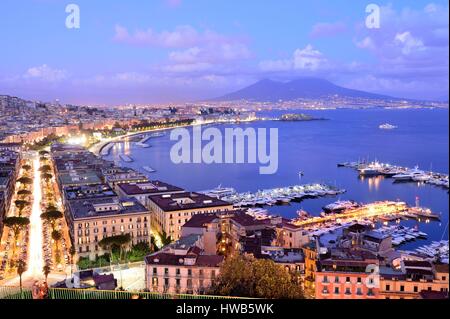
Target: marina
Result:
[281, 196]
[435, 250]
[401, 234]
[398, 173]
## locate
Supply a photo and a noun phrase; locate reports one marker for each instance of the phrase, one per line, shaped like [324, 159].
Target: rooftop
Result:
[186, 201]
[79, 177]
[88, 191]
[151, 187]
[191, 259]
[101, 207]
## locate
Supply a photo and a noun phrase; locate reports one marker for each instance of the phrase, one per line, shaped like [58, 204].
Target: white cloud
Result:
[308, 59]
[408, 43]
[45, 73]
[183, 36]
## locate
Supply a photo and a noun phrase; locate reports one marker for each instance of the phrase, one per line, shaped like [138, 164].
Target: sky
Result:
[159, 51]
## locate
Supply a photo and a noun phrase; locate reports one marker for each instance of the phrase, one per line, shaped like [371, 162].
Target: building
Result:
[15, 147]
[414, 280]
[182, 268]
[345, 275]
[141, 191]
[171, 211]
[9, 169]
[235, 231]
[91, 220]
[115, 176]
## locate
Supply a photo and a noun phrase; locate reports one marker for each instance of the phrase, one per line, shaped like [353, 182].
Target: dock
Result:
[106, 149]
[125, 158]
[398, 173]
[283, 195]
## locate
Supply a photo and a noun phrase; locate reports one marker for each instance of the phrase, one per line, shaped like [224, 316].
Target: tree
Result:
[47, 177]
[72, 253]
[45, 168]
[25, 180]
[17, 224]
[52, 216]
[46, 270]
[24, 193]
[56, 236]
[120, 241]
[21, 204]
[165, 240]
[21, 268]
[256, 278]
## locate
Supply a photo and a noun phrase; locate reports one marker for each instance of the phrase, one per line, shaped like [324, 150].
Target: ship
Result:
[149, 169]
[340, 206]
[220, 192]
[387, 127]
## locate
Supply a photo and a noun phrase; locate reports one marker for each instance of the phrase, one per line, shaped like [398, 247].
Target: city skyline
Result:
[177, 51]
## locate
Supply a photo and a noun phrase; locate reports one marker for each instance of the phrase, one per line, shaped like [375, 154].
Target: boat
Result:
[369, 172]
[387, 126]
[408, 175]
[143, 145]
[220, 192]
[340, 206]
[421, 178]
[149, 169]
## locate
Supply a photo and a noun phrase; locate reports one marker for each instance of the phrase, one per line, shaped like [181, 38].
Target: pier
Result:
[283, 195]
[374, 212]
[125, 158]
[398, 173]
[106, 149]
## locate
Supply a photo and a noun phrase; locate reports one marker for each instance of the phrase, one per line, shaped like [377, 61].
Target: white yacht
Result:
[409, 175]
[149, 169]
[220, 192]
[340, 206]
[387, 127]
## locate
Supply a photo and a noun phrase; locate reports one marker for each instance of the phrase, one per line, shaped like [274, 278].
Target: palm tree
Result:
[46, 270]
[21, 268]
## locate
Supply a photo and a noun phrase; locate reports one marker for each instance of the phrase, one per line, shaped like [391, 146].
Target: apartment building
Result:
[141, 191]
[413, 278]
[345, 275]
[171, 211]
[91, 220]
[182, 268]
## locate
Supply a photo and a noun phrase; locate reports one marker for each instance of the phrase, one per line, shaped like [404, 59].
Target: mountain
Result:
[308, 88]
